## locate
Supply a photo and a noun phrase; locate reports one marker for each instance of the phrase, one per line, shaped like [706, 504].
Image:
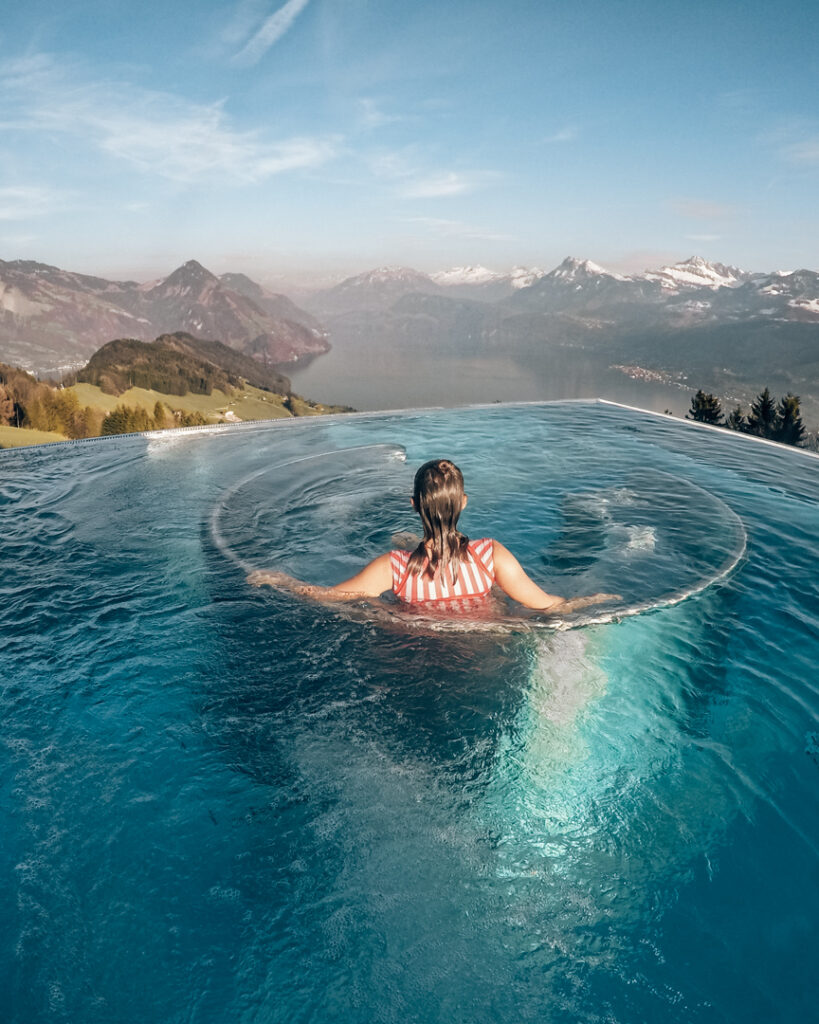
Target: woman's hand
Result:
[268, 578]
[576, 603]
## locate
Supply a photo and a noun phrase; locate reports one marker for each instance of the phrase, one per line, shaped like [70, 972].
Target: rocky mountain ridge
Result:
[52, 319]
[577, 285]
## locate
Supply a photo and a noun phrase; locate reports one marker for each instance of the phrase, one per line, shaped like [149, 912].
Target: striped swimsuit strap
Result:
[476, 574]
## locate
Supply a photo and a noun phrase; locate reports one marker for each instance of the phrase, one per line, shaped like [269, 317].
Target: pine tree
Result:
[789, 426]
[139, 420]
[6, 406]
[191, 419]
[160, 418]
[762, 419]
[116, 422]
[736, 420]
[705, 408]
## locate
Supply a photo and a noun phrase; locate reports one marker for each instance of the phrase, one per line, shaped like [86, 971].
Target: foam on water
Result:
[277, 518]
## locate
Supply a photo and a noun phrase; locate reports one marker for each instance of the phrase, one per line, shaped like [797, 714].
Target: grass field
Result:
[16, 437]
[248, 404]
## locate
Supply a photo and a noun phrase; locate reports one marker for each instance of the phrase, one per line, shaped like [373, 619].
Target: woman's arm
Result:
[513, 581]
[372, 581]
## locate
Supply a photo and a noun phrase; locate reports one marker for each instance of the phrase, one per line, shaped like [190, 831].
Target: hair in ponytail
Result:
[438, 496]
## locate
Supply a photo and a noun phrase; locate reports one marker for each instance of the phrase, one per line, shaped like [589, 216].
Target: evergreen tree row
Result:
[777, 421]
[125, 419]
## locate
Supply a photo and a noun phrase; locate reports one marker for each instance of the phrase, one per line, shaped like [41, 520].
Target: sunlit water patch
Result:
[220, 803]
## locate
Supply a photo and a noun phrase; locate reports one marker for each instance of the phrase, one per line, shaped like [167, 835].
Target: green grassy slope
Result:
[16, 437]
[247, 403]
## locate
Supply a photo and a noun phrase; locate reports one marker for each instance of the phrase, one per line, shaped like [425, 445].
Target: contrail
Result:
[273, 28]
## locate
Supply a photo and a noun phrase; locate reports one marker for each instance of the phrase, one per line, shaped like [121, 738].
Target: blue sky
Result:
[323, 137]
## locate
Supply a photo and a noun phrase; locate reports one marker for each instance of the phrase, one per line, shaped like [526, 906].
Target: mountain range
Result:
[722, 328]
[692, 289]
[708, 324]
[53, 319]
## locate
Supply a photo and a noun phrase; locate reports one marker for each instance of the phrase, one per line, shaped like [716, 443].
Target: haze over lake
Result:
[368, 377]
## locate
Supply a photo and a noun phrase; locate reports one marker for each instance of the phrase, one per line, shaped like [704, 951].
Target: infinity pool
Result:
[225, 804]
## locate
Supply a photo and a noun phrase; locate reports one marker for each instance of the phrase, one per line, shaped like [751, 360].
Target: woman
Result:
[446, 569]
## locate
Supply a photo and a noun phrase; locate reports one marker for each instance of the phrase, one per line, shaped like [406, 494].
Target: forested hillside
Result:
[130, 385]
[176, 364]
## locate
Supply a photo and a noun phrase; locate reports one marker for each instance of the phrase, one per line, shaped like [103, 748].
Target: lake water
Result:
[369, 377]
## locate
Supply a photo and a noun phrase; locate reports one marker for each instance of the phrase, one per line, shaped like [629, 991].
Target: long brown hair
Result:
[438, 496]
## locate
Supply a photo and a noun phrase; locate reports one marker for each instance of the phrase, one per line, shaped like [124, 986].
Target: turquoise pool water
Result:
[219, 803]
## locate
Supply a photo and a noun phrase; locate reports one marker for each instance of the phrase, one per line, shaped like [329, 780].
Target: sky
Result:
[306, 140]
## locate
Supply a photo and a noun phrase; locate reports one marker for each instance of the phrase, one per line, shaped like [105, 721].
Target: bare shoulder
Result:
[503, 556]
[517, 584]
[374, 579]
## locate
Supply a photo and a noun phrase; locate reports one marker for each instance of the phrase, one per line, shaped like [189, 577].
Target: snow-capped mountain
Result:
[579, 271]
[581, 286]
[386, 277]
[777, 296]
[523, 277]
[465, 275]
[697, 272]
[374, 289]
[480, 282]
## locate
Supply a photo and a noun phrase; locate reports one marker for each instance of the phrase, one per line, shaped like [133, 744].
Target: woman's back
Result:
[476, 574]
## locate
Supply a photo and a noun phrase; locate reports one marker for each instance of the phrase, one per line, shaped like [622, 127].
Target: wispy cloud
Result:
[567, 134]
[435, 186]
[412, 181]
[371, 115]
[457, 229]
[794, 139]
[270, 32]
[703, 209]
[158, 133]
[22, 202]
[803, 152]
[703, 238]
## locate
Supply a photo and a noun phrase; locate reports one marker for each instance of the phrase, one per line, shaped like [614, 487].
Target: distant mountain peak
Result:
[574, 269]
[697, 272]
[191, 271]
[386, 275]
[523, 277]
[191, 279]
[478, 275]
[466, 275]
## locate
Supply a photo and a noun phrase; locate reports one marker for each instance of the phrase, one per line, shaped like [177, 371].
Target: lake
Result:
[368, 377]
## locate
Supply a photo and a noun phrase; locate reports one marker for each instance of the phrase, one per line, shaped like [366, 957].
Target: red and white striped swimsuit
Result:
[476, 574]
